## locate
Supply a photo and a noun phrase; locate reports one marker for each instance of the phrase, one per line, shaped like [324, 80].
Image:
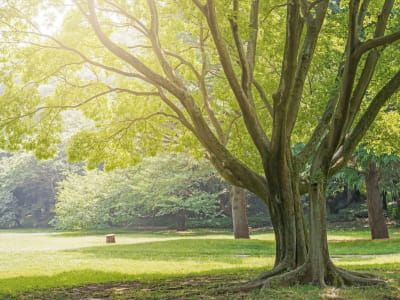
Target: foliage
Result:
[161, 185]
[28, 189]
[351, 213]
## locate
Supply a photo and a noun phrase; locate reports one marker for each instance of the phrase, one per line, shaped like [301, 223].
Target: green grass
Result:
[32, 260]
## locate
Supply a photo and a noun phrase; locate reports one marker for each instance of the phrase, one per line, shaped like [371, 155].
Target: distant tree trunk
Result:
[376, 218]
[239, 215]
[180, 218]
[384, 200]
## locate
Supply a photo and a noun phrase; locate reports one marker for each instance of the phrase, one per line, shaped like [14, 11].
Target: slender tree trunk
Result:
[376, 218]
[239, 213]
[384, 200]
[180, 218]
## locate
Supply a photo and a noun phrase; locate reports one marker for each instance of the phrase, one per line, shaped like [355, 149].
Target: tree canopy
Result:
[28, 189]
[165, 185]
[245, 80]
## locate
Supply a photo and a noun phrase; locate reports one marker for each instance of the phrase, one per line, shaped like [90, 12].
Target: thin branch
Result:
[151, 76]
[62, 46]
[142, 28]
[272, 9]
[200, 6]
[184, 62]
[175, 55]
[178, 112]
[230, 126]
[204, 91]
[144, 118]
[318, 134]
[52, 74]
[157, 48]
[239, 44]
[376, 42]
[361, 15]
[263, 97]
[38, 109]
[252, 41]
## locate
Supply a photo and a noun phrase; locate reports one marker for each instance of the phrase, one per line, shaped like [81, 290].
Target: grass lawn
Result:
[168, 265]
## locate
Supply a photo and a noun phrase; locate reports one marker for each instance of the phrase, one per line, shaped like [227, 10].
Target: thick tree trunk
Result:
[239, 213]
[288, 221]
[302, 255]
[376, 218]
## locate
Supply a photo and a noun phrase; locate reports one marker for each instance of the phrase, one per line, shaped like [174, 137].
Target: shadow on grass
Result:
[219, 250]
[93, 281]
[91, 284]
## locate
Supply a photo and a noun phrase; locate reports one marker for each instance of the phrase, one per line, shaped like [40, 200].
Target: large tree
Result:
[246, 80]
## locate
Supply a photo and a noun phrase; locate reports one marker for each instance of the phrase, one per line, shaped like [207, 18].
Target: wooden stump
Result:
[110, 238]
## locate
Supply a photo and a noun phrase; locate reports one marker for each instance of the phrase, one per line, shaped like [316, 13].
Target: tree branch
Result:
[203, 89]
[361, 15]
[155, 41]
[318, 134]
[38, 109]
[365, 78]
[353, 39]
[239, 45]
[144, 118]
[178, 112]
[249, 114]
[201, 7]
[314, 24]
[151, 76]
[264, 97]
[377, 42]
[142, 28]
[62, 46]
[252, 42]
[366, 121]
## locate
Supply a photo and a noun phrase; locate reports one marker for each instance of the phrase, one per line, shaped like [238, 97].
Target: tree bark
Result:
[302, 255]
[239, 213]
[376, 218]
[180, 218]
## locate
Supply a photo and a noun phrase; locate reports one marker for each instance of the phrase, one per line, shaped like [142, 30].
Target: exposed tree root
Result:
[352, 278]
[281, 267]
[364, 275]
[280, 276]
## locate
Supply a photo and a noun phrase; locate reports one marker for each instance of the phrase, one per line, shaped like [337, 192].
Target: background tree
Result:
[380, 176]
[237, 197]
[148, 73]
[28, 189]
[166, 185]
[373, 174]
